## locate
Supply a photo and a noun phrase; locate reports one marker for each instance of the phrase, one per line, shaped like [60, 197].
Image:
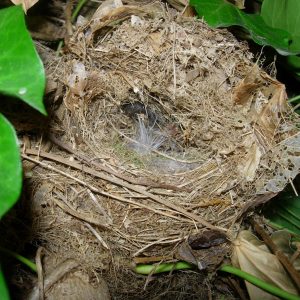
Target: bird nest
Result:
[166, 128]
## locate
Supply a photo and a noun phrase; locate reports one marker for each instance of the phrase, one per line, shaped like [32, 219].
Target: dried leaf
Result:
[111, 16]
[184, 252]
[207, 239]
[105, 8]
[26, 4]
[252, 256]
[78, 79]
[206, 250]
[252, 160]
[271, 115]
[178, 4]
[267, 114]
[288, 166]
[189, 12]
[238, 3]
[243, 93]
[77, 82]
[266, 111]
[205, 259]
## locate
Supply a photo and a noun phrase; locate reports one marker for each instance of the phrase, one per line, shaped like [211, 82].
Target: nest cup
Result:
[182, 129]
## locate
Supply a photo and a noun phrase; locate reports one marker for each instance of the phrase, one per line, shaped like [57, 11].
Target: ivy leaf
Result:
[219, 13]
[10, 166]
[22, 73]
[284, 14]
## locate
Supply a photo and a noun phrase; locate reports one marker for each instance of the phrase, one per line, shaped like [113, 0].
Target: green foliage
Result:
[284, 213]
[219, 13]
[3, 290]
[284, 14]
[21, 75]
[21, 70]
[293, 63]
[10, 166]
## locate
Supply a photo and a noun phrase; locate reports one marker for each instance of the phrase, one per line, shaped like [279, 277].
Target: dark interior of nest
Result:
[155, 139]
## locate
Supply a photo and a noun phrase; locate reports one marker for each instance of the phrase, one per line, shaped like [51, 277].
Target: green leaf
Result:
[219, 13]
[21, 70]
[10, 166]
[27, 262]
[284, 14]
[3, 289]
[294, 63]
[284, 213]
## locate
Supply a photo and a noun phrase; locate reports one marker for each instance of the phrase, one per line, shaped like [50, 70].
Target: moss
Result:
[126, 154]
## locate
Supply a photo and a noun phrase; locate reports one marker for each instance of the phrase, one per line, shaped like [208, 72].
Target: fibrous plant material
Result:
[155, 101]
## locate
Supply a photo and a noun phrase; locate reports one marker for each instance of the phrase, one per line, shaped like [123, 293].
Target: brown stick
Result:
[81, 216]
[122, 183]
[39, 267]
[238, 289]
[68, 18]
[279, 254]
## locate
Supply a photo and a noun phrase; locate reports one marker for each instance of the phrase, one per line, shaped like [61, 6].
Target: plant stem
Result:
[294, 99]
[3, 289]
[20, 258]
[181, 265]
[259, 283]
[73, 18]
[165, 267]
[77, 9]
